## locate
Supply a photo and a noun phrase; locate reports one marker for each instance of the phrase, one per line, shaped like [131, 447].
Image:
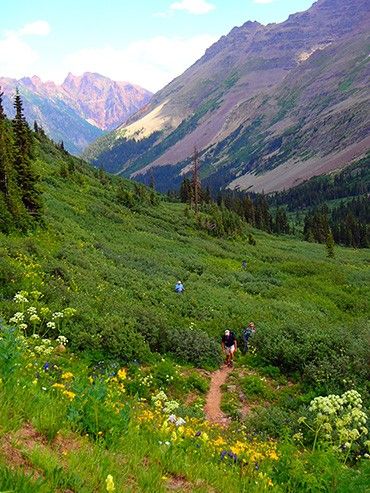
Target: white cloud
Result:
[152, 63]
[196, 7]
[37, 28]
[16, 55]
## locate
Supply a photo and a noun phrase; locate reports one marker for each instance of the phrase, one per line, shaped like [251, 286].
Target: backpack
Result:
[247, 332]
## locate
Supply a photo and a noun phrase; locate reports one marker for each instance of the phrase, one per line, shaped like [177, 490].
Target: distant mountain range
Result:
[79, 110]
[266, 106]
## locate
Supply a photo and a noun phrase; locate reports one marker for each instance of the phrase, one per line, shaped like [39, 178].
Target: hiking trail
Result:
[212, 406]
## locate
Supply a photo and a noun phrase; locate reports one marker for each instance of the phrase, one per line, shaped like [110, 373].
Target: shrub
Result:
[195, 346]
[273, 421]
[196, 382]
[165, 374]
[325, 356]
[11, 355]
[120, 340]
[254, 388]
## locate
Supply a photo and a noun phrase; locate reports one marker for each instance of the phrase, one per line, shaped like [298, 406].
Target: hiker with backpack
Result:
[229, 346]
[247, 333]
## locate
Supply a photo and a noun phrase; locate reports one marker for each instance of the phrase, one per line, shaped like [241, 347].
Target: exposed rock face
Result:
[260, 97]
[104, 102]
[80, 109]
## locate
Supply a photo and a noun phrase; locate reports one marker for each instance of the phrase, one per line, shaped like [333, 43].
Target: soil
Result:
[212, 407]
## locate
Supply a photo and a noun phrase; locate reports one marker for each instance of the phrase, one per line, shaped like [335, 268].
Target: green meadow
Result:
[102, 275]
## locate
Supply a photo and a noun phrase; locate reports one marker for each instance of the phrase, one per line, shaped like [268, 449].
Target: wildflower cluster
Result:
[162, 402]
[339, 420]
[37, 317]
[197, 434]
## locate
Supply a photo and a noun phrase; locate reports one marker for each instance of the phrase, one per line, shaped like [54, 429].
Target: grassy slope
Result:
[109, 262]
[117, 268]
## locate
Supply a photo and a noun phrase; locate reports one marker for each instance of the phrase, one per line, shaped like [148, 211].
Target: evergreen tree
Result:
[2, 113]
[12, 211]
[102, 176]
[248, 210]
[206, 195]
[262, 214]
[330, 245]
[185, 191]
[281, 225]
[251, 240]
[195, 182]
[152, 180]
[26, 177]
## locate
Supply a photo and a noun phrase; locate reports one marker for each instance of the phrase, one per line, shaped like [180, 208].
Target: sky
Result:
[146, 42]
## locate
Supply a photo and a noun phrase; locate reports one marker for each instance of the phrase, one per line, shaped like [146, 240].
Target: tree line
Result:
[352, 181]
[346, 224]
[20, 197]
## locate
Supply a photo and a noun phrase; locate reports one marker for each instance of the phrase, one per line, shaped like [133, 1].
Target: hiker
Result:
[179, 288]
[247, 333]
[229, 346]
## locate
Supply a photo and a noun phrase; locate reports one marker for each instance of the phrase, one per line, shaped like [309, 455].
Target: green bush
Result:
[194, 346]
[120, 340]
[10, 353]
[273, 421]
[165, 374]
[196, 382]
[324, 356]
[255, 388]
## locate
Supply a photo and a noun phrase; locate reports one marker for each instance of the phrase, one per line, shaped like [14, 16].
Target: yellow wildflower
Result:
[58, 386]
[204, 437]
[219, 442]
[67, 375]
[70, 395]
[110, 484]
[273, 455]
[122, 375]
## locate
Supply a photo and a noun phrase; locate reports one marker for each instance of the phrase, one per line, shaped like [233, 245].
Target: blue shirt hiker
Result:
[179, 288]
[247, 333]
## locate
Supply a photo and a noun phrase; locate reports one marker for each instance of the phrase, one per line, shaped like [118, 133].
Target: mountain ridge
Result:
[80, 109]
[207, 104]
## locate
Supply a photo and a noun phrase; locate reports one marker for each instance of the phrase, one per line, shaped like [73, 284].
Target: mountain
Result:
[80, 109]
[266, 106]
[104, 102]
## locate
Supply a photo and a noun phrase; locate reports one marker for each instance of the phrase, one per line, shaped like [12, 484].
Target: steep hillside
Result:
[77, 111]
[104, 369]
[255, 101]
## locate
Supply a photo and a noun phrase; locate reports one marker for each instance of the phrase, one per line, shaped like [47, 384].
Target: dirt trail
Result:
[212, 407]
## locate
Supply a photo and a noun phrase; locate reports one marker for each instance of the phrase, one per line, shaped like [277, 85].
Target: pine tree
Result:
[251, 240]
[281, 225]
[12, 211]
[195, 183]
[248, 210]
[206, 195]
[26, 177]
[330, 245]
[152, 180]
[2, 113]
[102, 176]
[185, 191]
